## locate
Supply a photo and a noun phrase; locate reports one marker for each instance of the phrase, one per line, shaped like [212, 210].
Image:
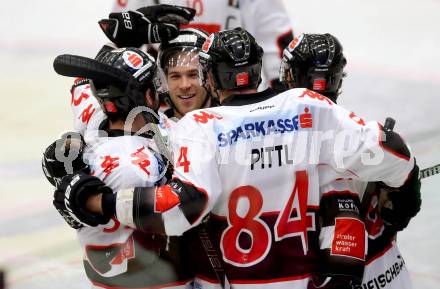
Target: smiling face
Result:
[183, 79]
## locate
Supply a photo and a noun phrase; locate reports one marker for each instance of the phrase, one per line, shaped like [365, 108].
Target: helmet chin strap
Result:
[171, 103]
[207, 98]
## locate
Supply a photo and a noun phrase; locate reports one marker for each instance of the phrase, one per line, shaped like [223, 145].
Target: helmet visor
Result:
[179, 57]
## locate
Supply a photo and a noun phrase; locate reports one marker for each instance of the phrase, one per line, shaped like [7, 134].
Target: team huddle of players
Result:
[269, 189]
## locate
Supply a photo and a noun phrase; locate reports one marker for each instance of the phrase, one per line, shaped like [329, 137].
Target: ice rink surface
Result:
[393, 70]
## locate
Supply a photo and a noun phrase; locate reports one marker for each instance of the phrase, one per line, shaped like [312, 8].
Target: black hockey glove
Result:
[402, 204]
[71, 196]
[63, 156]
[152, 24]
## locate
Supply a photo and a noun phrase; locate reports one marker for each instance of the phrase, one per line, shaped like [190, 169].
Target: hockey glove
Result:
[152, 24]
[71, 196]
[401, 204]
[63, 156]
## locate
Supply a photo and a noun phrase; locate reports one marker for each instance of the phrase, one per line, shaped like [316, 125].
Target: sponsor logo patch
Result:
[242, 79]
[208, 43]
[349, 238]
[319, 84]
[133, 59]
[295, 42]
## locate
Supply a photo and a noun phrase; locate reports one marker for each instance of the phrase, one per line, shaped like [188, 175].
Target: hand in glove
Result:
[151, 24]
[63, 156]
[71, 197]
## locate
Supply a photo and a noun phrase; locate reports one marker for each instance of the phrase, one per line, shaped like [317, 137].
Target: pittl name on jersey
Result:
[266, 156]
[266, 127]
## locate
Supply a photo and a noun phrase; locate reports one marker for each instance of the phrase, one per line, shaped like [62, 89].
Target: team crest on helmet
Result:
[295, 42]
[208, 43]
[132, 59]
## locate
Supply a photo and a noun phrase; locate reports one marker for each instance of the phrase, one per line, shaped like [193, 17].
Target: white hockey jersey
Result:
[261, 161]
[86, 110]
[266, 20]
[116, 256]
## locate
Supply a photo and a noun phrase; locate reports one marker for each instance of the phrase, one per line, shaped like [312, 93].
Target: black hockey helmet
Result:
[189, 42]
[234, 59]
[118, 100]
[316, 62]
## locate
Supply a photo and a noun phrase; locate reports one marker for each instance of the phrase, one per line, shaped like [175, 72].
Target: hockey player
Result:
[254, 163]
[176, 59]
[116, 256]
[316, 61]
[266, 20]
[179, 59]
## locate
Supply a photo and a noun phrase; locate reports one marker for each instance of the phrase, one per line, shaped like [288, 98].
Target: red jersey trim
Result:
[380, 254]
[115, 227]
[389, 149]
[344, 192]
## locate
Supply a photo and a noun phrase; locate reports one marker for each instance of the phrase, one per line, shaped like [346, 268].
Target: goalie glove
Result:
[71, 196]
[399, 206]
[152, 24]
[62, 157]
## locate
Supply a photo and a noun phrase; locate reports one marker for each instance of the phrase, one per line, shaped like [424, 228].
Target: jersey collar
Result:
[249, 98]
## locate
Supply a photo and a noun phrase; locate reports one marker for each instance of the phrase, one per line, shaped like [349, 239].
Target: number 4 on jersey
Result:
[286, 226]
[183, 161]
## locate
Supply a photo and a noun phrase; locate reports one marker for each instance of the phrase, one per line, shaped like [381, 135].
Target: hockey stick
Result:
[428, 172]
[213, 256]
[79, 66]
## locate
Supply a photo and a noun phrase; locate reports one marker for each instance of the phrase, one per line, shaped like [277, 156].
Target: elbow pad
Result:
[144, 208]
[343, 238]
